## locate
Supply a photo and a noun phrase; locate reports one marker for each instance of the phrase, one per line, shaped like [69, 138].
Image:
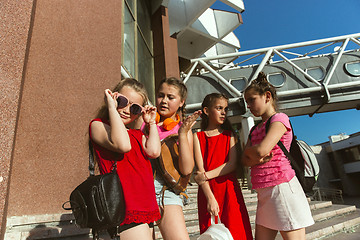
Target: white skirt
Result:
[283, 207]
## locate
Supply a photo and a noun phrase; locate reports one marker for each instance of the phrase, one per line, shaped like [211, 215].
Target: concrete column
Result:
[166, 59]
[56, 59]
[247, 123]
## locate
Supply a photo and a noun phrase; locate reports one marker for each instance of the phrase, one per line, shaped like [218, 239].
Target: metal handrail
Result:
[269, 53]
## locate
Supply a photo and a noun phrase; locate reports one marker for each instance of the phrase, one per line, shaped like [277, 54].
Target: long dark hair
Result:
[208, 102]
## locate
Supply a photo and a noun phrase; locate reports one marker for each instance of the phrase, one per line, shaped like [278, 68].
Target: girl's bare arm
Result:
[114, 137]
[186, 163]
[261, 153]
[212, 204]
[227, 167]
[151, 144]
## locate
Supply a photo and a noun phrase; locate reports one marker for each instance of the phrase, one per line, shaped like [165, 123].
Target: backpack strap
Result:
[91, 160]
[251, 130]
[283, 148]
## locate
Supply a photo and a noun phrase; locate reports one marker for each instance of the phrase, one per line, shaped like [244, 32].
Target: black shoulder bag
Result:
[98, 202]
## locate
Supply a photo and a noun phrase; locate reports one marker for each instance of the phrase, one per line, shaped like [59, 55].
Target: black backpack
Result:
[302, 159]
[98, 202]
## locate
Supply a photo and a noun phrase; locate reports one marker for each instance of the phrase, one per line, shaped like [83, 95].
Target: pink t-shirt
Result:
[278, 169]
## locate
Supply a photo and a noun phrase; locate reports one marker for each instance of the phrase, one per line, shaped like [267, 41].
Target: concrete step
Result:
[336, 224]
[332, 220]
[348, 234]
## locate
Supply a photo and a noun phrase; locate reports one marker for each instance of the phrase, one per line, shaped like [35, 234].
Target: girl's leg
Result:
[172, 225]
[298, 234]
[264, 233]
[141, 231]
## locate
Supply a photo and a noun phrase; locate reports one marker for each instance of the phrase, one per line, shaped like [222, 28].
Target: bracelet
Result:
[151, 123]
[206, 178]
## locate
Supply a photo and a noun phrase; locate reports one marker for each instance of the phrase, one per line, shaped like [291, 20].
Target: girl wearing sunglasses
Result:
[112, 140]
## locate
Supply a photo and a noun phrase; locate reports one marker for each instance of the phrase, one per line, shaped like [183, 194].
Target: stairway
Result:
[333, 222]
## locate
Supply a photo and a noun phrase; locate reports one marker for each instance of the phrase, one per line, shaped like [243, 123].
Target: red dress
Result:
[226, 189]
[135, 175]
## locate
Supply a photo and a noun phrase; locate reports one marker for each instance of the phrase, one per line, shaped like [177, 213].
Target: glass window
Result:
[144, 21]
[145, 69]
[131, 4]
[353, 68]
[276, 79]
[350, 154]
[239, 83]
[129, 42]
[316, 72]
[138, 44]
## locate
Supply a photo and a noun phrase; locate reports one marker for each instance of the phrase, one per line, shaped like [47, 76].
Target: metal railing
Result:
[328, 194]
[281, 51]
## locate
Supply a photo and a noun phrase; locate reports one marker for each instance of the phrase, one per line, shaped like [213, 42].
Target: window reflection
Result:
[316, 72]
[276, 79]
[353, 68]
[239, 83]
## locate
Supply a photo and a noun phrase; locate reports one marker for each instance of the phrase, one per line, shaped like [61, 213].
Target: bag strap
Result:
[213, 220]
[283, 148]
[92, 161]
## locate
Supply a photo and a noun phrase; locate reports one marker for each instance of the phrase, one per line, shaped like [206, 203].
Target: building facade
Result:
[56, 59]
[339, 161]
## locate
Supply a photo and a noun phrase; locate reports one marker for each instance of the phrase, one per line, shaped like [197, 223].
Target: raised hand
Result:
[110, 98]
[149, 114]
[189, 122]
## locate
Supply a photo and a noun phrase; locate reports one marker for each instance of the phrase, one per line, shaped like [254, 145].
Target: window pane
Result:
[129, 43]
[353, 68]
[131, 4]
[146, 68]
[239, 83]
[144, 21]
[276, 79]
[317, 73]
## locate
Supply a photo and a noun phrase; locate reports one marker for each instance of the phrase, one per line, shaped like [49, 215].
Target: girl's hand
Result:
[213, 207]
[200, 177]
[149, 114]
[266, 158]
[189, 122]
[110, 98]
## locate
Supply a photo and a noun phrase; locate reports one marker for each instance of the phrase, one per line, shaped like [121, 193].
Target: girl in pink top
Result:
[282, 204]
[170, 102]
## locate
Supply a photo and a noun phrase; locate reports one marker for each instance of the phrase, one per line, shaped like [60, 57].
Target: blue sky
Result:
[278, 22]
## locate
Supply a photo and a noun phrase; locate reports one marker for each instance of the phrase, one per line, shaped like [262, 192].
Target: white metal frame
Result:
[269, 53]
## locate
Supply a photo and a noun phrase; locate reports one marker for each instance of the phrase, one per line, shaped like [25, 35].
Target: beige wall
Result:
[73, 53]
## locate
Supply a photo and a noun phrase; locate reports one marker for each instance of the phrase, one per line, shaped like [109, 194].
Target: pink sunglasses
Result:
[135, 108]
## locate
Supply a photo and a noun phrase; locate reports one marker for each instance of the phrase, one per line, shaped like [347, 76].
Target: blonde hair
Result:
[127, 82]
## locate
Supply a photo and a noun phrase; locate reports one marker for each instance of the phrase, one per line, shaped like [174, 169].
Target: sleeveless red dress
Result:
[226, 189]
[135, 175]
